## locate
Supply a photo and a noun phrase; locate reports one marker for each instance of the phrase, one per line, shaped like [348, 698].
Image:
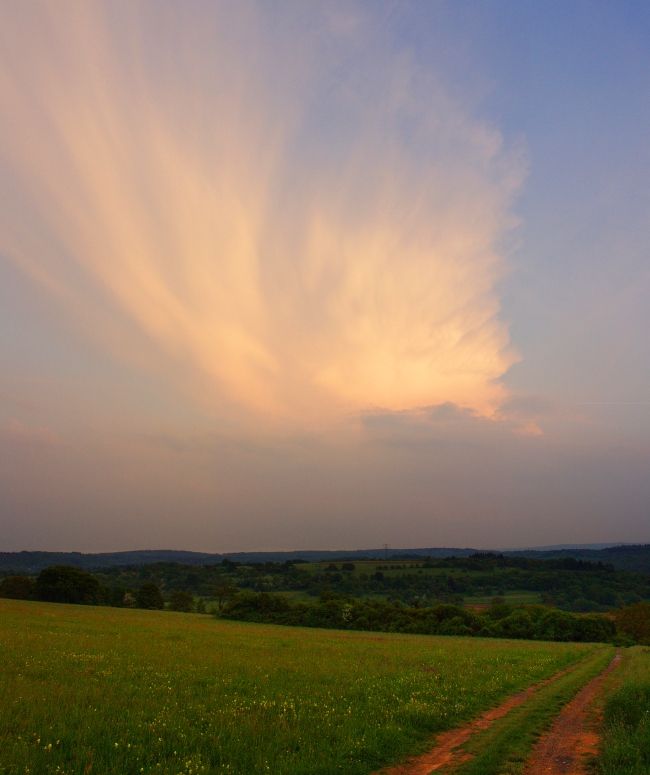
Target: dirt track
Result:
[562, 750]
[447, 743]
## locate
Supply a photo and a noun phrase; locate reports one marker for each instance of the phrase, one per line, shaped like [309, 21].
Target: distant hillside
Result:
[631, 558]
[634, 558]
[36, 561]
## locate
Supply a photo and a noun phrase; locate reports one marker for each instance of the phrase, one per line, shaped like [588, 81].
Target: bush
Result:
[594, 628]
[454, 626]
[149, 596]
[501, 621]
[223, 593]
[634, 621]
[182, 602]
[517, 625]
[555, 625]
[67, 584]
[119, 597]
[582, 605]
[17, 587]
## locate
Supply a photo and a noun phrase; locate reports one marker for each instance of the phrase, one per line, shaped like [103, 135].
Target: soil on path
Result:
[564, 748]
[447, 743]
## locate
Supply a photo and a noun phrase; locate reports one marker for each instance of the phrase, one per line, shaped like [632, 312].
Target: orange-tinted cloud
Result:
[203, 229]
[17, 434]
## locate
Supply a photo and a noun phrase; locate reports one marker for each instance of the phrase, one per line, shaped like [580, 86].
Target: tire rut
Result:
[563, 749]
[446, 750]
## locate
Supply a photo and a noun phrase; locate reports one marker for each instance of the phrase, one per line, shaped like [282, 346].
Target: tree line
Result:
[629, 626]
[565, 583]
[68, 584]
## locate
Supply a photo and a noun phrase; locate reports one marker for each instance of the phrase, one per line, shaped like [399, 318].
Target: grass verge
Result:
[626, 722]
[504, 748]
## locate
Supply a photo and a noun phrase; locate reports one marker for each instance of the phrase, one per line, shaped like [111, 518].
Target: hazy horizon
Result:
[276, 274]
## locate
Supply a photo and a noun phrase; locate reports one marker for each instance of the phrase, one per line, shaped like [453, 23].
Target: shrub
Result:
[67, 584]
[119, 597]
[149, 596]
[182, 602]
[555, 625]
[517, 625]
[594, 628]
[582, 605]
[634, 621]
[223, 593]
[454, 626]
[17, 587]
[342, 612]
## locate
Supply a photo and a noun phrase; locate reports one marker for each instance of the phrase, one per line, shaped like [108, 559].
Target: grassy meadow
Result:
[104, 691]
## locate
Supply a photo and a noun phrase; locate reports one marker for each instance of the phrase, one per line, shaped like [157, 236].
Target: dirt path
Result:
[447, 743]
[562, 750]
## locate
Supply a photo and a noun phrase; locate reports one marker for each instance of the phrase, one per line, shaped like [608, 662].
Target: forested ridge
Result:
[624, 557]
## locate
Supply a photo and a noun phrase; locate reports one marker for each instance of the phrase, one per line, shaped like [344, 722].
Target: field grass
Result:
[104, 691]
[626, 727]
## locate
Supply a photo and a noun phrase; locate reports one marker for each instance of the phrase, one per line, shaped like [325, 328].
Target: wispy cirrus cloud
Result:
[282, 231]
[16, 434]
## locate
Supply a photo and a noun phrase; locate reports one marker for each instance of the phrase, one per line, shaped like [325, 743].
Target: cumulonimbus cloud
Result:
[295, 229]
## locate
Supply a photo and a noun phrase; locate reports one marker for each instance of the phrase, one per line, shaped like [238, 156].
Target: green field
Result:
[100, 690]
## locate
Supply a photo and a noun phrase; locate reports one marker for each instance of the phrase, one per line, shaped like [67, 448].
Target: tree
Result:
[200, 606]
[224, 593]
[635, 622]
[182, 602]
[67, 584]
[150, 596]
[17, 587]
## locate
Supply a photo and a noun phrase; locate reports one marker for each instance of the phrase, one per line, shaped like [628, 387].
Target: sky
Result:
[324, 276]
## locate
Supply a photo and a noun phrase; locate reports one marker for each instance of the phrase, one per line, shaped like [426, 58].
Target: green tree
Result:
[223, 593]
[182, 602]
[17, 587]
[634, 620]
[150, 596]
[67, 584]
